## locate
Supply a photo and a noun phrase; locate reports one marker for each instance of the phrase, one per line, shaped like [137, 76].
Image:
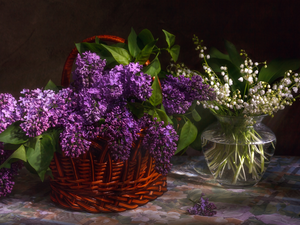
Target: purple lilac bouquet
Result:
[113, 100]
[203, 208]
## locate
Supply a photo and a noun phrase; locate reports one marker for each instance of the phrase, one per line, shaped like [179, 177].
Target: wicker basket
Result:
[94, 182]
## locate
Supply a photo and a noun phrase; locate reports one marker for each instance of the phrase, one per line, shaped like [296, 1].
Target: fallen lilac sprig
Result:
[203, 208]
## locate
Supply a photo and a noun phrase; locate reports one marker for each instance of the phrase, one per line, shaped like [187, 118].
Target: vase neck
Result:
[240, 122]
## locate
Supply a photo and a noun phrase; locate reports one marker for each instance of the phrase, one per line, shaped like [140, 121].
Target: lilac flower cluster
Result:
[121, 81]
[65, 103]
[161, 142]
[42, 109]
[9, 113]
[91, 104]
[135, 83]
[7, 175]
[37, 111]
[103, 94]
[180, 92]
[203, 208]
[75, 136]
[121, 129]
[89, 69]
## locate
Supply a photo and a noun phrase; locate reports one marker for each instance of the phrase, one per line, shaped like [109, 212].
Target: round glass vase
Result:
[238, 150]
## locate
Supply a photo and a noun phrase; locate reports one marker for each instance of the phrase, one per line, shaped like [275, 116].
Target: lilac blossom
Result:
[121, 130]
[89, 69]
[105, 97]
[75, 138]
[37, 111]
[203, 208]
[134, 82]
[103, 94]
[9, 113]
[123, 82]
[161, 142]
[65, 103]
[91, 106]
[42, 109]
[7, 174]
[180, 92]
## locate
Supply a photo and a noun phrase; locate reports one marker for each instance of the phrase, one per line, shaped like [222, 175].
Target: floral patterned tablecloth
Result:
[275, 200]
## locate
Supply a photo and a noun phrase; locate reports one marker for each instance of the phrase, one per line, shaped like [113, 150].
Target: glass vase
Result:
[238, 150]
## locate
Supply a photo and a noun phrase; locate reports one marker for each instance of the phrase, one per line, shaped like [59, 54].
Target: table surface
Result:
[274, 200]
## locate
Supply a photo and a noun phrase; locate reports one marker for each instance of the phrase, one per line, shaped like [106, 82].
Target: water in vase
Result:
[236, 164]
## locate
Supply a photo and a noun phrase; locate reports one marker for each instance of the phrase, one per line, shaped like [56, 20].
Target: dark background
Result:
[37, 36]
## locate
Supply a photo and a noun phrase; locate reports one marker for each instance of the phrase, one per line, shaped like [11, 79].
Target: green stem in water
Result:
[236, 174]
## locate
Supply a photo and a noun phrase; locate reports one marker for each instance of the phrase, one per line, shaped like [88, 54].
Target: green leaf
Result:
[175, 124]
[97, 40]
[196, 115]
[14, 134]
[170, 38]
[7, 146]
[136, 108]
[85, 46]
[162, 74]
[187, 135]
[153, 68]
[121, 55]
[215, 53]
[42, 173]
[151, 112]
[163, 116]
[41, 155]
[144, 37]
[144, 55]
[163, 109]
[197, 144]
[216, 64]
[111, 63]
[19, 154]
[54, 134]
[48, 172]
[276, 69]
[174, 52]
[156, 97]
[155, 115]
[234, 55]
[51, 86]
[235, 73]
[121, 45]
[156, 49]
[99, 50]
[132, 44]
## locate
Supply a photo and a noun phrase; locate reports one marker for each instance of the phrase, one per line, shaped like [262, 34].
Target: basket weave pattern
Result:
[94, 182]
